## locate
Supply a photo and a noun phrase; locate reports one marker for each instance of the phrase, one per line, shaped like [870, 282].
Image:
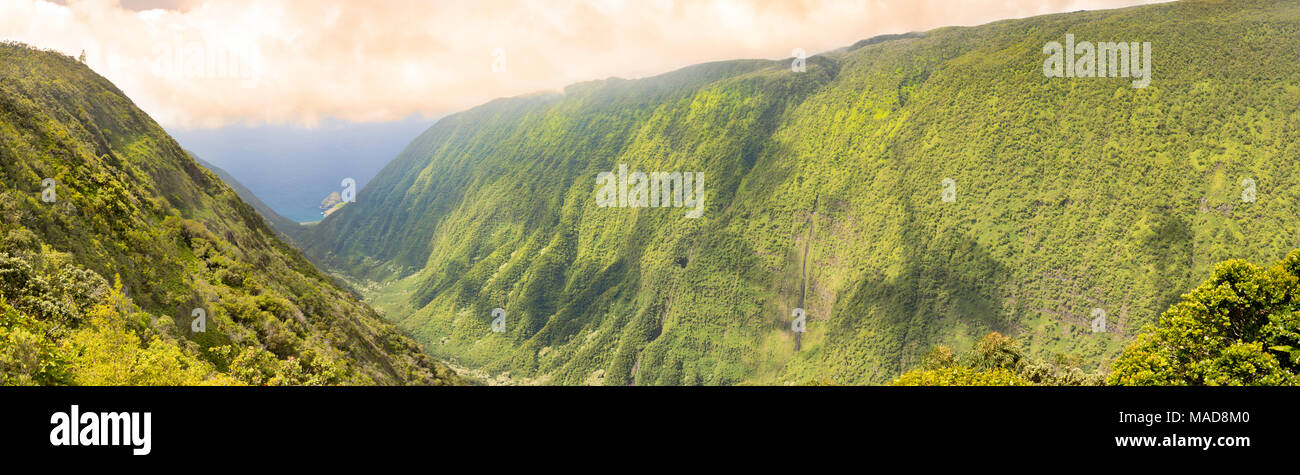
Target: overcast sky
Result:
[201, 64]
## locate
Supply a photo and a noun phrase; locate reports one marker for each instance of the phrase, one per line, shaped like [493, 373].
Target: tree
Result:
[994, 361]
[960, 376]
[1238, 328]
[27, 355]
[109, 352]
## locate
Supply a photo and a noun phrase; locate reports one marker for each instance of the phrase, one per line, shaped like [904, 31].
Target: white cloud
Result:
[193, 63]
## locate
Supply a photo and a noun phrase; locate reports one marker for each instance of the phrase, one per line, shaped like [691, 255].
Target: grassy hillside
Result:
[824, 191]
[113, 242]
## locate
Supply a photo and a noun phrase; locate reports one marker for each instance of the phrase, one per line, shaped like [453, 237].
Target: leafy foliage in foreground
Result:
[994, 361]
[1071, 195]
[129, 204]
[1240, 327]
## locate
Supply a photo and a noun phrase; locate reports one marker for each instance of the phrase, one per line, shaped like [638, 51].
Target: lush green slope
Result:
[1239, 327]
[823, 190]
[287, 228]
[128, 201]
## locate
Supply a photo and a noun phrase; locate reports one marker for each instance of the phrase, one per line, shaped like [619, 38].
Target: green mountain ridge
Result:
[123, 261]
[286, 227]
[1072, 197]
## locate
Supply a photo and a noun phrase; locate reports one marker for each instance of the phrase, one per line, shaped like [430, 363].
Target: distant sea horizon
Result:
[292, 169]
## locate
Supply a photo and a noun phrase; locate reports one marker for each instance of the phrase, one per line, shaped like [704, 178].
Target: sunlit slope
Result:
[123, 199]
[1069, 195]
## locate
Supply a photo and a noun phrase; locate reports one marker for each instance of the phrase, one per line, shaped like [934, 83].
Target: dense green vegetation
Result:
[287, 228]
[103, 274]
[1240, 327]
[994, 361]
[1071, 195]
